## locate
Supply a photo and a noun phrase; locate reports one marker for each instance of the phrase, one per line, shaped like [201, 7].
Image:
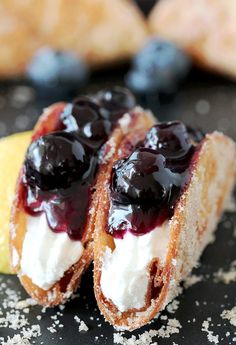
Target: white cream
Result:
[46, 255]
[125, 276]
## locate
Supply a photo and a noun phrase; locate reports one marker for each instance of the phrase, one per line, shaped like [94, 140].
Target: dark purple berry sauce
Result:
[60, 167]
[146, 185]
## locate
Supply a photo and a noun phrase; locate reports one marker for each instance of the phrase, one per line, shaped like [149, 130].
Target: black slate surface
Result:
[205, 101]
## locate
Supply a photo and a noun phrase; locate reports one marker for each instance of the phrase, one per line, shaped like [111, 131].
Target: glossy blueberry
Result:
[94, 116]
[55, 160]
[142, 178]
[159, 66]
[57, 71]
[116, 100]
[84, 117]
[60, 168]
[169, 138]
[146, 185]
[77, 114]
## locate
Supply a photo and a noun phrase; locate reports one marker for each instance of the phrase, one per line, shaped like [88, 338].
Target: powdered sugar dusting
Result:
[16, 316]
[173, 326]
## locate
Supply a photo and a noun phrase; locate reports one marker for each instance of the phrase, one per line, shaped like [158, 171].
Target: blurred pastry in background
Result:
[99, 31]
[12, 151]
[205, 29]
[17, 41]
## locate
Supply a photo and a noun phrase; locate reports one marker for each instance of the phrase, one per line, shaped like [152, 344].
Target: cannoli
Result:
[56, 200]
[205, 29]
[160, 207]
[99, 31]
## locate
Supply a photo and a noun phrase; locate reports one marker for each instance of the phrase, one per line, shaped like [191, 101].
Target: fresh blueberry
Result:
[57, 72]
[169, 138]
[55, 160]
[158, 67]
[83, 116]
[142, 178]
[77, 114]
[93, 116]
[116, 99]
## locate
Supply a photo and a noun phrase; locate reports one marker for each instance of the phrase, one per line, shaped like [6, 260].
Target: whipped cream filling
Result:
[46, 255]
[125, 274]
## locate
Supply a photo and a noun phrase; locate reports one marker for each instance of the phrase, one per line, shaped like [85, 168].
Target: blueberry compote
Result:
[146, 186]
[60, 167]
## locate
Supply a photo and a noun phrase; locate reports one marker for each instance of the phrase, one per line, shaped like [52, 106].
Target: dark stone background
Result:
[203, 100]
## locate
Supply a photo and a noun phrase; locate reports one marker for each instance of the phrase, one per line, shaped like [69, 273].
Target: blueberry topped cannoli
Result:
[57, 193]
[163, 200]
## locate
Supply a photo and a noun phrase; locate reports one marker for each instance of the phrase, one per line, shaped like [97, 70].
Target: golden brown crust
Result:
[191, 228]
[100, 31]
[194, 26]
[62, 290]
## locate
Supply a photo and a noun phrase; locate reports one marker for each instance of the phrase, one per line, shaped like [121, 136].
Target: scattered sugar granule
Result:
[163, 317]
[82, 325]
[226, 277]
[61, 306]
[144, 338]
[230, 315]
[51, 329]
[173, 306]
[173, 326]
[28, 302]
[16, 340]
[210, 336]
[32, 332]
[192, 279]
[14, 313]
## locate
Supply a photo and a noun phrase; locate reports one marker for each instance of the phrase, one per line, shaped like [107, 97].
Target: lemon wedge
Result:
[12, 151]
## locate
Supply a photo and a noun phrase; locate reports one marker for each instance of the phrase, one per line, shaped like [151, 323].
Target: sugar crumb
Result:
[226, 277]
[210, 336]
[173, 306]
[173, 326]
[192, 279]
[82, 325]
[230, 315]
[16, 340]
